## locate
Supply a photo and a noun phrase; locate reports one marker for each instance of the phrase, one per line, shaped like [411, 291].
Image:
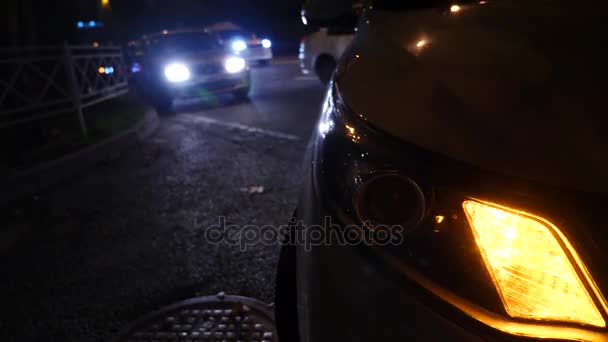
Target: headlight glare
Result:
[527, 258]
[266, 43]
[177, 72]
[239, 46]
[235, 64]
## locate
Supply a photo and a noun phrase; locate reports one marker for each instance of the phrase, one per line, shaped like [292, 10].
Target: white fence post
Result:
[74, 87]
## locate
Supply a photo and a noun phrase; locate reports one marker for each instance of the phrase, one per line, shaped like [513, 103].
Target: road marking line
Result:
[286, 60]
[242, 127]
[305, 78]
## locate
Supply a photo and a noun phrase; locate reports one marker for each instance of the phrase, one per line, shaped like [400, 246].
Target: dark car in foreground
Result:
[189, 63]
[457, 182]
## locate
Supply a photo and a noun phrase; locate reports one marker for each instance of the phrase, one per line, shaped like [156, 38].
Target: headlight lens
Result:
[235, 64]
[530, 268]
[266, 43]
[239, 46]
[177, 72]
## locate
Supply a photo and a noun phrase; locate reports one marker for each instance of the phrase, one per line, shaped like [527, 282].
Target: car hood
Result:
[515, 87]
[194, 57]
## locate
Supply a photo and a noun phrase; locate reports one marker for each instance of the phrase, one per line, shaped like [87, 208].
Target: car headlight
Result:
[235, 64]
[177, 72]
[501, 265]
[266, 43]
[239, 46]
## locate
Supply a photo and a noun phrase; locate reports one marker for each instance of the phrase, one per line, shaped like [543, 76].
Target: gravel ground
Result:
[127, 237]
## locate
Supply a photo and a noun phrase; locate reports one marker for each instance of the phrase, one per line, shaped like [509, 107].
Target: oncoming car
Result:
[475, 133]
[247, 45]
[189, 64]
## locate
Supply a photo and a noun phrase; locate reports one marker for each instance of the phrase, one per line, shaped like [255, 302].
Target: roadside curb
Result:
[37, 179]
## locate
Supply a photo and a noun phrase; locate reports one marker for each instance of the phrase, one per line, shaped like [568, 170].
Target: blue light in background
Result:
[135, 68]
[92, 24]
[106, 70]
[89, 24]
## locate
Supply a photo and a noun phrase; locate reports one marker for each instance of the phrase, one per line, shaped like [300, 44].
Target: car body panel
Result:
[508, 86]
[344, 296]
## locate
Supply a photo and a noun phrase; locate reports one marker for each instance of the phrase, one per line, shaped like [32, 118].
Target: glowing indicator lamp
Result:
[536, 271]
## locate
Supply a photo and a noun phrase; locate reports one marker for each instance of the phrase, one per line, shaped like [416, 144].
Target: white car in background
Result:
[256, 50]
[322, 47]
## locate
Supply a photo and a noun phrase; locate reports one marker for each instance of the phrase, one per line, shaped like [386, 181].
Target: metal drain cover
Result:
[215, 318]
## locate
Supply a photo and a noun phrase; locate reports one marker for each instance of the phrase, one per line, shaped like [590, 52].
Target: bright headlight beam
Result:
[266, 43]
[527, 258]
[239, 46]
[235, 64]
[177, 72]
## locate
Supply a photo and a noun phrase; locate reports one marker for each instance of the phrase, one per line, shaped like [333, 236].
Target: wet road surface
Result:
[128, 236]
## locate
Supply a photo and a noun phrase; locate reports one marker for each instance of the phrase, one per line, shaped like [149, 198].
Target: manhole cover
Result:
[214, 318]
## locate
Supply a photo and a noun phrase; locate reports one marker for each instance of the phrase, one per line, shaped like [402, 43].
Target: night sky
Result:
[34, 22]
[43, 22]
[277, 17]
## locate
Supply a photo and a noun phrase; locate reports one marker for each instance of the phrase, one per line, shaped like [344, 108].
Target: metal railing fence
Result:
[41, 82]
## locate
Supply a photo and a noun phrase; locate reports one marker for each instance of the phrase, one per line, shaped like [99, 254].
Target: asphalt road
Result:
[128, 236]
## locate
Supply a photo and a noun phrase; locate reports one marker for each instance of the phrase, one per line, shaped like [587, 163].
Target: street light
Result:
[105, 3]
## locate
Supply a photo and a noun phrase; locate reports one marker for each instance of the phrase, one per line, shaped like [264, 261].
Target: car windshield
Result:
[182, 42]
[230, 34]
